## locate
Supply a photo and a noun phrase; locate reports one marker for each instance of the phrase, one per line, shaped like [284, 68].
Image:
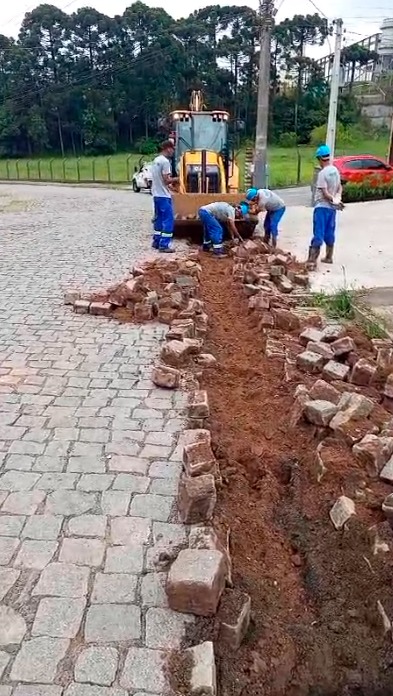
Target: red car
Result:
[357, 168]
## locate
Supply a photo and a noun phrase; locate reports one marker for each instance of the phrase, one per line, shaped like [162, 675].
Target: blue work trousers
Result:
[272, 220]
[213, 232]
[164, 222]
[324, 227]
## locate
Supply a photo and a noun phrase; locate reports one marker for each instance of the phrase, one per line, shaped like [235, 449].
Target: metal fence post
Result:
[39, 169]
[7, 166]
[78, 171]
[64, 169]
[93, 168]
[108, 166]
[128, 168]
[17, 169]
[51, 169]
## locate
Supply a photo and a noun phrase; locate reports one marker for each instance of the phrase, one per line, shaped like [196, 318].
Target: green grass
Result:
[283, 165]
[344, 305]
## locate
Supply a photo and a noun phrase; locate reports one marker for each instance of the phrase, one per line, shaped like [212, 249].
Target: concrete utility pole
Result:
[390, 151]
[334, 87]
[266, 9]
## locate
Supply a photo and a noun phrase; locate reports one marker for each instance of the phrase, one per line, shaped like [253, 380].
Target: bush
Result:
[343, 135]
[147, 146]
[287, 140]
[366, 191]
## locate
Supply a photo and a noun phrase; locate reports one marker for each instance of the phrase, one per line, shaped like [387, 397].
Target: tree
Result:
[357, 56]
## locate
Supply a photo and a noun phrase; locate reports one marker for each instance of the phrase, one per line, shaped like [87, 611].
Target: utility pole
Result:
[390, 151]
[266, 10]
[334, 87]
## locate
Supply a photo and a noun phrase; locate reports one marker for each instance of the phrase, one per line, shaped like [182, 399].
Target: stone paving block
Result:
[23, 503]
[56, 482]
[113, 622]
[144, 669]
[115, 503]
[12, 626]
[70, 503]
[124, 559]
[8, 578]
[3, 496]
[131, 482]
[87, 526]
[97, 435]
[114, 589]
[155, 452]
[164, 487]
[8, 546]
[18, 480]
[58, 618]
[11, 525]
[93, 690]
[97, 666]
[165, 629]
[46, 464]
[63, 580]
[130, 530]
[38, 659]
[86, 449]
[20, 462]
[155, 507]
[4, 660]
[35, 554]
[37, 690]
[162, 469]
[95, 482]
[45, 527]
[86, 465]
[132, 465]
[153, 590]
[89, 552]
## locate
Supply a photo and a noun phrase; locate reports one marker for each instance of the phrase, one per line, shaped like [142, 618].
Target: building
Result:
[381, 44]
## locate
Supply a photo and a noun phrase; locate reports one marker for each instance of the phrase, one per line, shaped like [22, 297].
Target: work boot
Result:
[329, 254]
[313, 254]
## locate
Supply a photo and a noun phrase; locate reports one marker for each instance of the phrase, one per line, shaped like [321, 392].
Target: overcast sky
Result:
[361, 17]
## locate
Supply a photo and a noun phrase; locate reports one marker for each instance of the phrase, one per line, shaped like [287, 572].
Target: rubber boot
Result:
[266, 238]
[273, 243]
[313, 254]
[329, 254]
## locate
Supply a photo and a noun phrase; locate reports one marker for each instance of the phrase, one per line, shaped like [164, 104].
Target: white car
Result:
[142, 178]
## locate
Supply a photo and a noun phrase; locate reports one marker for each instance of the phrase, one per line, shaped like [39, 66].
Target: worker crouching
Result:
[213, 216]
[265, 200]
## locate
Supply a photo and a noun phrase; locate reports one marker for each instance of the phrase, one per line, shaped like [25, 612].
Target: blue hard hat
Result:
[323, 152]
[244, 208]
[251, 193]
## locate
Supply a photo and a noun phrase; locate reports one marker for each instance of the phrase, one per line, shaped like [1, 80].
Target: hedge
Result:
[367, 191]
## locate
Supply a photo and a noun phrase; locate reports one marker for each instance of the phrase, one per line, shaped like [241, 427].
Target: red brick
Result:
[71, 296]
[143, 311]
[196, 582]
[301, 279]
[310, 334]
[309, 362]
[266, 321]
[374, 451]
[198, 458]
[175, 353]
[335, 370]
[285, 320]
[322, 349]
[166, 315]
[134, 289]
[284, 284]
[363, 373]
[324, 391]
[118, 295]
[197, 498]
[166, 377]
[81, 306]
[343, 346]
[198, 405]
[385, 358]
[234, 616]
[333, 332]
[102, 309]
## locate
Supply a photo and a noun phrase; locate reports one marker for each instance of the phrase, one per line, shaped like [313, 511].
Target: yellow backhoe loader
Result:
[206, 169]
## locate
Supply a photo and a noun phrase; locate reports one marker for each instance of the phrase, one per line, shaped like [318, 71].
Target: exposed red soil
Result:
[315, 626]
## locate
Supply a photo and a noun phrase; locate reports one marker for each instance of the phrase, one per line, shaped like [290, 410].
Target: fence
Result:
[100, 170]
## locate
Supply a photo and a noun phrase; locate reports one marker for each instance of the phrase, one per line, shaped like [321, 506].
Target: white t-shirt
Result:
[270, 200]
[160, 167]
[329, 178]
[221, 211]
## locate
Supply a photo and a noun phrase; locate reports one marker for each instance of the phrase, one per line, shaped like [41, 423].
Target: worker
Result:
[328, 193]
[162, 180]
[212, 217]
[266, 200]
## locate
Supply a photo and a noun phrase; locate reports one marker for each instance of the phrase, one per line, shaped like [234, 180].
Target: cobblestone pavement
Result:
[88, 458]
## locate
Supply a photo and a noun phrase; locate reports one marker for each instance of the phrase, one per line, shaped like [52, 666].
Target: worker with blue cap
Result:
[213, 216]
[328, 192]
[264, 199]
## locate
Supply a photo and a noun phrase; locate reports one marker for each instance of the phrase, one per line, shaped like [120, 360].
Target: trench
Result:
[315, 629]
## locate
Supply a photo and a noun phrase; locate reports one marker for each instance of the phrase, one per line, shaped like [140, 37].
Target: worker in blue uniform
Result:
[213, 216]
[264, 199]
[327, 201]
